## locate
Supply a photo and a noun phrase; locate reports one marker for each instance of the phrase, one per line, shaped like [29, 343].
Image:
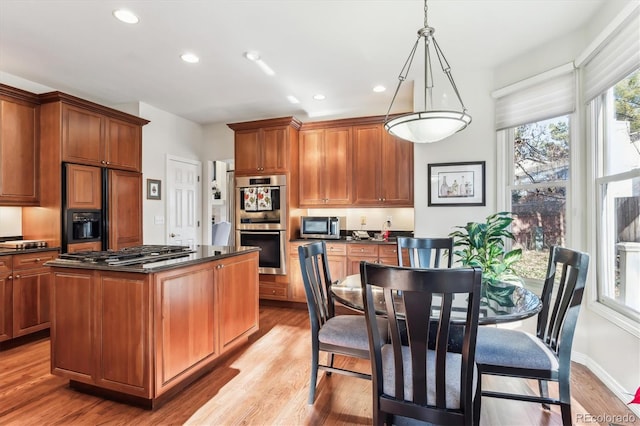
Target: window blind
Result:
[545, 98]
[616, 59]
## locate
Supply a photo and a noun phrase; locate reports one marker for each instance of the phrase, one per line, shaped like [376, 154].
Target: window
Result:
[537, 191]
[616, 115]
[533, 119]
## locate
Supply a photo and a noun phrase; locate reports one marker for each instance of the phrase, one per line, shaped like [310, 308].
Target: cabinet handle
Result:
[37, 259]
[103, 162]
[219, 266]
[17, 277]
[10, 277]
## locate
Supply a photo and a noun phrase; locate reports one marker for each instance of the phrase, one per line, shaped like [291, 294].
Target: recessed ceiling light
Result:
[293, 99]
[319, 97]
[125, 16]
[190, 58]
[252, 56]
[379, 88]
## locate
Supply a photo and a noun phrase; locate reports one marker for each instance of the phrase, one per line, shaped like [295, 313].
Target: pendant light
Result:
[429, 125]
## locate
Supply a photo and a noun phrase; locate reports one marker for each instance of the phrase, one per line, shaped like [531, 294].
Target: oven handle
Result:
[246, 231]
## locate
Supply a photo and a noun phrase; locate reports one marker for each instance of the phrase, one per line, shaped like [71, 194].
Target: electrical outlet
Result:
[363, 220]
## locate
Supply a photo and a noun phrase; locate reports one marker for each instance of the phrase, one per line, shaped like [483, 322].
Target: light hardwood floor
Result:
[264, 383]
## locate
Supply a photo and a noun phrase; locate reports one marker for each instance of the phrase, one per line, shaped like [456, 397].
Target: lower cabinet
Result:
[145, 334]
[24, 293]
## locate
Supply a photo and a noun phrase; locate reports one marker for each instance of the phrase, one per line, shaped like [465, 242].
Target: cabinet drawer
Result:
[32, 260]
[388, 250]
[273, 291]
[362, 250]
[5, 265]
[336, 249]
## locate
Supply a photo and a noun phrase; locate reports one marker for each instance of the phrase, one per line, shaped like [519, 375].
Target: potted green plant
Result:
[483, 245]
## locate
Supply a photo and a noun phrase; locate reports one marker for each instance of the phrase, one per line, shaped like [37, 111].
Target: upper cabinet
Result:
[265, 147]
[382, 168]
[95, 139]
[325, 167]
[19, 147]
[96, 135]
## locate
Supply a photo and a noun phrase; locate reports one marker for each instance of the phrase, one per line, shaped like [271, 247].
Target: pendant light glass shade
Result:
[429, 125]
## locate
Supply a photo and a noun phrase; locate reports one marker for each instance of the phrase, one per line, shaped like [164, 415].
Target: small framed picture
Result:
[457, 184]
[153, 189]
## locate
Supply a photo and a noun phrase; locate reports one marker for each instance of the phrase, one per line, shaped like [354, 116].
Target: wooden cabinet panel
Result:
[336, 258]
[123, 332]
[125, 209]
[397, 171]
[91, 246]
[186, 304]
[31, 304]
[73, 296]
[82, 136]
[325, 167]
[274, 151]
[123, 145]
[6, 298]
[388, 254]
[383, 168]
[247, 151]
[238, 303]
[19, 152]
[84, 187]
[264, 147]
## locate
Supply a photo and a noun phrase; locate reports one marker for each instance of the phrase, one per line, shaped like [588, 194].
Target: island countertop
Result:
[200, 254]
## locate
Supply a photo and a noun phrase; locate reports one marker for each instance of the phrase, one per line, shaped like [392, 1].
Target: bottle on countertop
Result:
[386, 229]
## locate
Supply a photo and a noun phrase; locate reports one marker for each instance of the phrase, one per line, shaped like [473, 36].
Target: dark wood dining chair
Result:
[545, 356]
[425, 252]
[330, 333]
[413, 380]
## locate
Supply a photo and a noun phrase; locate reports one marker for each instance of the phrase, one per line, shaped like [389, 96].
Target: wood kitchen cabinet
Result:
[336, 258]
[83, 187]
[125, 209]
[382, 168]
[148, 335]
[265, 147]
[92, 138]
[25, 285]
[31, 287]
[325, 167]
[19, 147]
[370, 252]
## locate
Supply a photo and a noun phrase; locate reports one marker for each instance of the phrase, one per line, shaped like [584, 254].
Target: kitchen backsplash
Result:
[402, 219]
[10, 221]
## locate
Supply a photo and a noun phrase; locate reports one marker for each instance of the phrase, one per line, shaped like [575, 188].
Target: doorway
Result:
[183, 201]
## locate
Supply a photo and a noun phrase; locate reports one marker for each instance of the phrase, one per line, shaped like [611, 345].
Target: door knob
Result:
[172, 235]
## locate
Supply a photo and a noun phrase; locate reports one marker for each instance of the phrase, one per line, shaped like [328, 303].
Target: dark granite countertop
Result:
[201, 254]
[9, 251]
[344, 240]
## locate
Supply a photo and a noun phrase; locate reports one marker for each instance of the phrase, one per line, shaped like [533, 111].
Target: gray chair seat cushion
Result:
[512, 348]
[452, 375]
[350, 331]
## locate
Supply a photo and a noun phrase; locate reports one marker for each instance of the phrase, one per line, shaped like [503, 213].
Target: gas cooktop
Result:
[130, 255]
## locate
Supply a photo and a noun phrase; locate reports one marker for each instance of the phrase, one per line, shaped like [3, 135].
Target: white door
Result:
[184, 201]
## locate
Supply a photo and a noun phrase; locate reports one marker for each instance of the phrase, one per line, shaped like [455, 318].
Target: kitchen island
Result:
[142, 332]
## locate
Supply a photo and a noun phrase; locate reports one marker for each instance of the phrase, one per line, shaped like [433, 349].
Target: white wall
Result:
[166, 134]
[476, 143]
[10, 221]
[218, 142]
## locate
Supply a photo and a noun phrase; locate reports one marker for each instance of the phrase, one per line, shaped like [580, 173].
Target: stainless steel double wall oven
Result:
[261, 219]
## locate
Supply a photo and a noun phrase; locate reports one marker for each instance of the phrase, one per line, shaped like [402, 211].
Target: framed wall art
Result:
[153, 189]
[457, 184]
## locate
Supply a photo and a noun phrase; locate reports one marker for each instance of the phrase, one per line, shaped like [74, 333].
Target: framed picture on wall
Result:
[457, 184]
[153, 189]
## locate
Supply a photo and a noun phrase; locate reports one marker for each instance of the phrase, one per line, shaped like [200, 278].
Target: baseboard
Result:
[608, 381]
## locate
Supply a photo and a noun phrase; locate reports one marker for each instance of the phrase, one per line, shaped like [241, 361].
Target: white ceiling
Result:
[340, 48]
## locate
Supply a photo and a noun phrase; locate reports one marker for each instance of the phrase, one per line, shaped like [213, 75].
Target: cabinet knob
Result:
[219, 266]
[10, 277]
[103, 162]
[37, 259]
[17, 277]
[273, 292]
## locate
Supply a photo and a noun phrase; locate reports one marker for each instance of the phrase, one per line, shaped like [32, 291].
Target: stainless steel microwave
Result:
[322, 227]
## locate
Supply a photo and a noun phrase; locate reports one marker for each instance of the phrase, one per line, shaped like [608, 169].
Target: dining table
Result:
[502, 303]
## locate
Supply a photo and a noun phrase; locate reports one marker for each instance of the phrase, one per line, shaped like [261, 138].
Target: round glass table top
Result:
[506, 303]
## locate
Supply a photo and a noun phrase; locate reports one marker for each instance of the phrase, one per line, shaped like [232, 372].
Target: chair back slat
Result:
[561, 295]
[317, 281]
[425, 252]
[424, 391]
